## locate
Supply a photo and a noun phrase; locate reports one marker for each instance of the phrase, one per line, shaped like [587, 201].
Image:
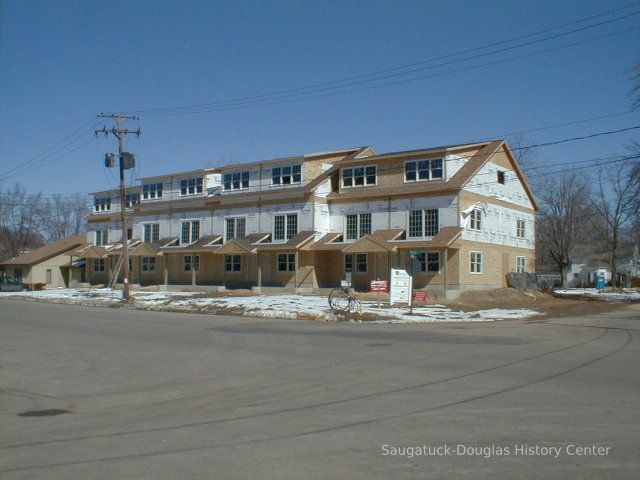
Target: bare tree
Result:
[64, 217]
[561, 222]
[19, 220]
[614, 205]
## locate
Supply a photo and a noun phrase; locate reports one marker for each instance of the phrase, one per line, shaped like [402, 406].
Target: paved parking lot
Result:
[164, 396]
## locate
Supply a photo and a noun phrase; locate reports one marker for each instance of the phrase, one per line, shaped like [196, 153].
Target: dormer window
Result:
[236, 181]
[359, 176]
[419, 170]
[102, 204]
[132, 199]
[190, 186]
[151, 191]
[286, 175]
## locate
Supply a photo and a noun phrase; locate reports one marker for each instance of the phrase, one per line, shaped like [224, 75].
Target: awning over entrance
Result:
[445, 238]
[295, 243]
[91, 252]
[208, 243]
[238, 246]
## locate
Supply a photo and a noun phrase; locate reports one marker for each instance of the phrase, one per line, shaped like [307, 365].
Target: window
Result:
[236, 181]
[424, 222]
[285, 227]
[431, 222]
[501, 177]
[152, 232]
[190, 186]
[361, 262]
[417, 170]
[521, 264]
[286, 262]
[148, 264]
[102, 204]
[235, 227]
[359, 176]
[476, 262]
[130, 265]
[232, 263]
[476, 220]
[151, 191]
[429, 262]
[190, 231]
[520, 229]
[98, 265]
[191, 263]
[129, 233]
[286, 175]
[348, 263]
[48, 276]
[131, 199]
[102, 237]
[357, 225]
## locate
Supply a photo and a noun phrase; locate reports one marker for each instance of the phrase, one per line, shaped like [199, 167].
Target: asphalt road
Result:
[165, 396]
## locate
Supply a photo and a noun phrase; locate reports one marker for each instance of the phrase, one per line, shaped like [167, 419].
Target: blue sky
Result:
[63, 62]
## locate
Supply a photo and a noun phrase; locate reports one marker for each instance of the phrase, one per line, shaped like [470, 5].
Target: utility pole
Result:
[120, 133]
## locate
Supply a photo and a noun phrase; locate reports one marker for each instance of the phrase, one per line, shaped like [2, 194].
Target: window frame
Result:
[476, 217]
[365, 176]
[148, 266]
[99, 265]
[193, 263]
[101, 237]
[289, 262]
[102, 204]
[521, 232]
[430, 169]
[131, 199]
[426, 223]
[295, 178]
[478, 262]
[285, 226]
[242, 177]
[344, 263]
[190, 232]
[521, 268]
[359, 226]
[357, 263]
[423, 258]
[191, 186]
[230, 261]
[234, 221]
[152, 229]
[154, 188]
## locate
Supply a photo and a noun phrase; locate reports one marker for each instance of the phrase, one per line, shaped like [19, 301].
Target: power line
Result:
[56, 146]
[268, 102]
[378, 75]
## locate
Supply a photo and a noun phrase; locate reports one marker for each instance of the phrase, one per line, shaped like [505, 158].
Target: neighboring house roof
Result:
[48, 251]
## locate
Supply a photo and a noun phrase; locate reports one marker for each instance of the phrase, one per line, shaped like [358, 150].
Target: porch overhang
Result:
[92, 252]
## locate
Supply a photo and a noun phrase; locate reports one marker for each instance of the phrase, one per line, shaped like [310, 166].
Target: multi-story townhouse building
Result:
[464, 212]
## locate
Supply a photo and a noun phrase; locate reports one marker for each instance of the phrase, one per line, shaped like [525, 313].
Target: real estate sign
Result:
[401, 283]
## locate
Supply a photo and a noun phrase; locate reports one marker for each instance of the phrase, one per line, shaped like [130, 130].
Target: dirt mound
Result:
[545, 303]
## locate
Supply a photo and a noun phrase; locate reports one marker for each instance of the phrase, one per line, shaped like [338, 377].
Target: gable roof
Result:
[48, 251]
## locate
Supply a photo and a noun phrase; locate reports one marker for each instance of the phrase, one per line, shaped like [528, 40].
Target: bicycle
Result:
[344, 300]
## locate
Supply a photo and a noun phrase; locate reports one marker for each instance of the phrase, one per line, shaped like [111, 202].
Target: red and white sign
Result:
[379, 286]
[421, 296]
